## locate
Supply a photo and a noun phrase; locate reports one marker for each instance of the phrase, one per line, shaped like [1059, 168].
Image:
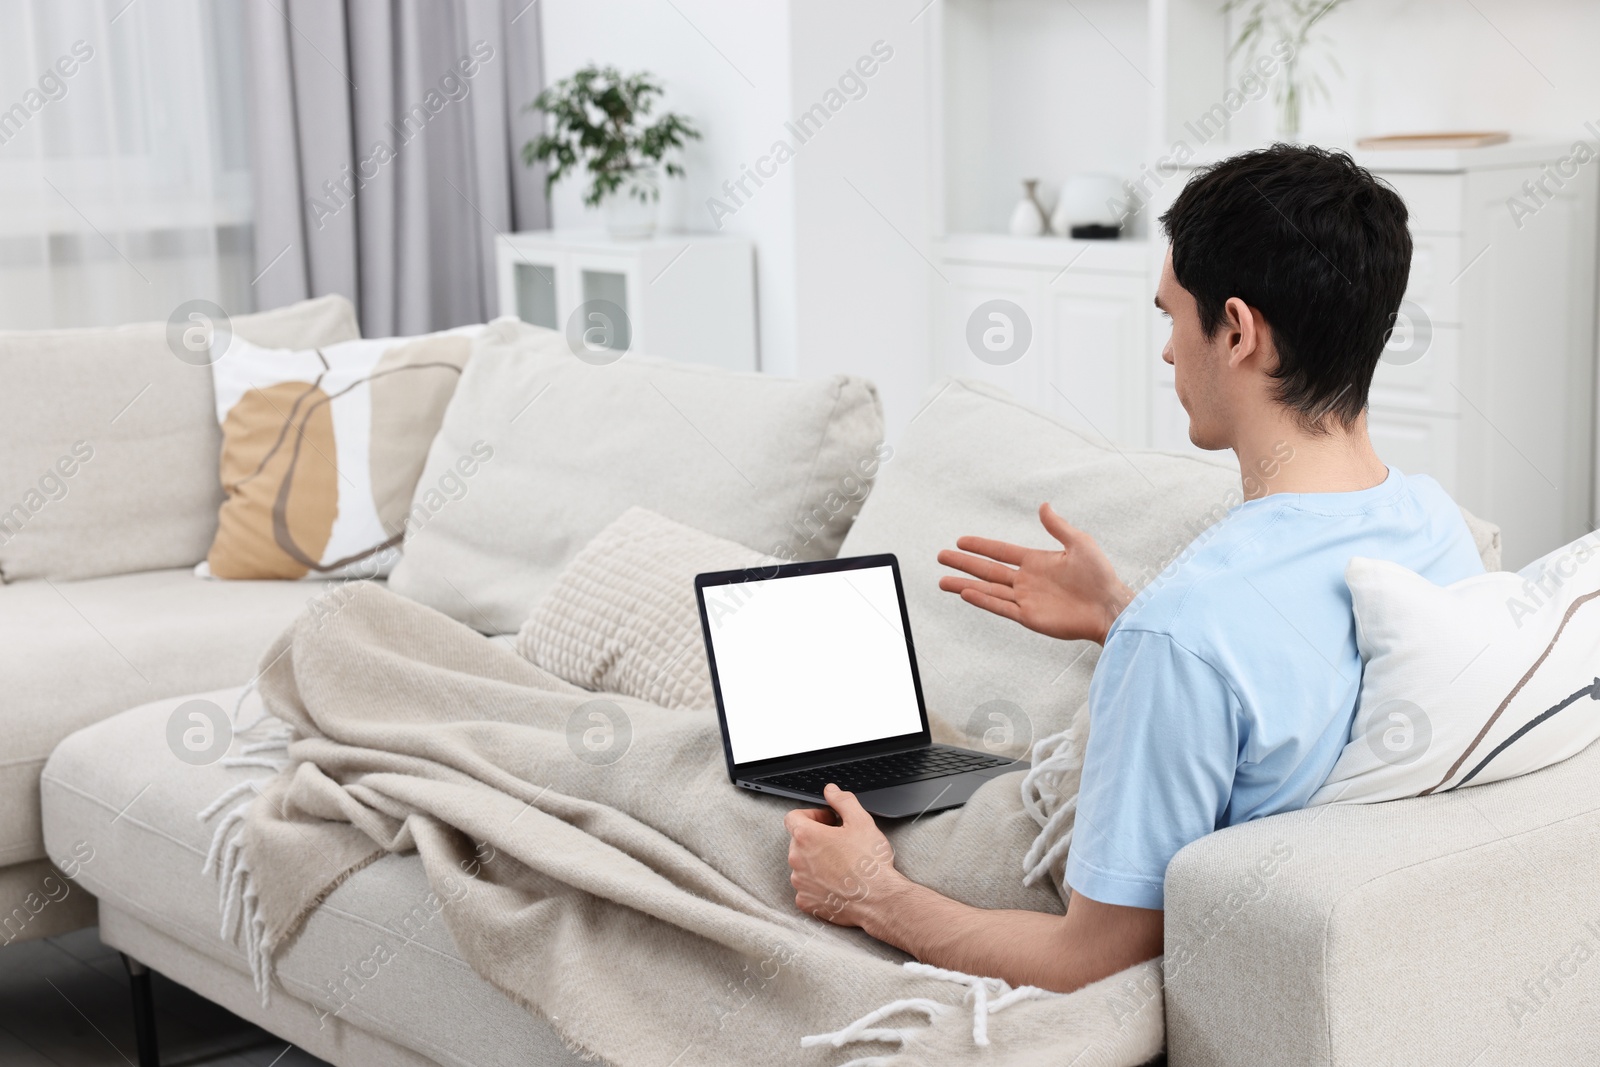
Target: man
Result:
[1227, 688]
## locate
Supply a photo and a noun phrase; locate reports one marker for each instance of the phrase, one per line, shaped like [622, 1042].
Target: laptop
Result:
[816, 682]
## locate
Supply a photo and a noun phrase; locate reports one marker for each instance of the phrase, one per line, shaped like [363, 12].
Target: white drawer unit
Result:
[688, 296]
[1083, 305]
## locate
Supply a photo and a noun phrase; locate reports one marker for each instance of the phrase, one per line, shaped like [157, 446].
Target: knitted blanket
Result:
[601, 871]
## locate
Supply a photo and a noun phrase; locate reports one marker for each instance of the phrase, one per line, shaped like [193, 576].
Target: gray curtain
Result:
[386, 138]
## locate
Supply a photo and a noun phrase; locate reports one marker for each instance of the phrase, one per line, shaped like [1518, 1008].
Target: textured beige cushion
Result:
[139, 809]
[622, 617]
[146, 496]
[72, 653]
[773, 464]
[977, 461]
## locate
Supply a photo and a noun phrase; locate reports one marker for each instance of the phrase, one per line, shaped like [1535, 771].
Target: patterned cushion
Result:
[322, 449]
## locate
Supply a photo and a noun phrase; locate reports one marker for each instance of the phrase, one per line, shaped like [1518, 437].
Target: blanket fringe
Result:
[237, 900]
[988, 995]
[1060, 753]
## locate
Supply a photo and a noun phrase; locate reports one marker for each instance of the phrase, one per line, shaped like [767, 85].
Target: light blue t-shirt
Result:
[1227, 688]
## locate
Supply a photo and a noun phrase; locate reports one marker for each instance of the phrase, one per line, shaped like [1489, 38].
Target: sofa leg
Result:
[144, 1012]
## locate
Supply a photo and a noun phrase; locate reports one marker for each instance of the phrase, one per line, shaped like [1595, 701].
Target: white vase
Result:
[631, 209]
[1028, 218]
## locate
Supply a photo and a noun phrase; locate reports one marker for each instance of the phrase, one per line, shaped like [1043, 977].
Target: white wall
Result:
[726, 65]
[863, 200]
[842, 285]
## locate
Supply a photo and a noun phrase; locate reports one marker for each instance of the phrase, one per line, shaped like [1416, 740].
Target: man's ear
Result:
[1245, 329]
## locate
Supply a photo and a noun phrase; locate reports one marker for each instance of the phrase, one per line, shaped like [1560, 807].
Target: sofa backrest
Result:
[109, 442]
[557, 448]
[977, 461]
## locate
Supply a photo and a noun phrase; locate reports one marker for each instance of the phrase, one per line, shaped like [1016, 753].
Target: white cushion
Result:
[134, 425]
[770, 463]
[1486, 679]
[622, 618]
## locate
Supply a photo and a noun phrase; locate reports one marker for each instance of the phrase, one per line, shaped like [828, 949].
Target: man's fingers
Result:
[801, 818]
[846, 804]
[1058, 527]
[961, 585]
[1006, 609]
[1004, 551]
[978, 567]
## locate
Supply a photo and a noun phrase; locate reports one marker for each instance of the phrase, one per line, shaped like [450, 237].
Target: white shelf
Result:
[1122, 256]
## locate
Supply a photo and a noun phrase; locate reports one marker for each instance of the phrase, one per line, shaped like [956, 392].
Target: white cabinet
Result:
[684, 296]
[1082, 307]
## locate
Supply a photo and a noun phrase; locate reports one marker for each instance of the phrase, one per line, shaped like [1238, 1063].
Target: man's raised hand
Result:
[1072, 592]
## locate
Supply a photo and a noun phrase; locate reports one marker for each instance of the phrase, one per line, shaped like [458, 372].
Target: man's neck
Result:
[1282, 457]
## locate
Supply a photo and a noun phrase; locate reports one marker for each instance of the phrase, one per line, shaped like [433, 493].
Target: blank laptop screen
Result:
[811, 661]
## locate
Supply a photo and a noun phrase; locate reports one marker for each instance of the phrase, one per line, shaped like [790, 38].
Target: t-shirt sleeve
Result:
[1159, 769]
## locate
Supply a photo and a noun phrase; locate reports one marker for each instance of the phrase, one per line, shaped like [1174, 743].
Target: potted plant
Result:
[1265, 23]
[599, 120]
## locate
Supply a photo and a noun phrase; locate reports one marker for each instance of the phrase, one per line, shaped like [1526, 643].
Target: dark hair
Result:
[1316, 244]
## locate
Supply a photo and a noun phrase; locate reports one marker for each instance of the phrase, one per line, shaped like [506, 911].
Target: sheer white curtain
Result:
[124, 161]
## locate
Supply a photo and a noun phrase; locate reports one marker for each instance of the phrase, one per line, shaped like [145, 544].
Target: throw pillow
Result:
[322, 449]
[1486, 679]
[622, 616]
[777, 465]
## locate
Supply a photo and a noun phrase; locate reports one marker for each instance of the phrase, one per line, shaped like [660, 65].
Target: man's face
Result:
[1199, 365]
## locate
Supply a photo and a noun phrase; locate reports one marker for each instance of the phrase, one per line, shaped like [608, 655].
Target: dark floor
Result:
[65, 1002]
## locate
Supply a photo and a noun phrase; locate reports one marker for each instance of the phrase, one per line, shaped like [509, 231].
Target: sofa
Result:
[1395, 933]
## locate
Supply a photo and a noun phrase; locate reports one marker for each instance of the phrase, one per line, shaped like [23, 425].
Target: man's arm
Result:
[845, 874]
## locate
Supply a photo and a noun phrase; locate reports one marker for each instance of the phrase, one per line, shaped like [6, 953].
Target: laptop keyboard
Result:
[876, 772]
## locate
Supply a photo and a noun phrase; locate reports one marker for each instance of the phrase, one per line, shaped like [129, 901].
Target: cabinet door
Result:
[976, 336]
[614, 280]
[528, 283]
[1101, 363]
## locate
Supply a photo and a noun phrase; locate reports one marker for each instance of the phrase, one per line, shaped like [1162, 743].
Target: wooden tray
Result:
[1462, 139]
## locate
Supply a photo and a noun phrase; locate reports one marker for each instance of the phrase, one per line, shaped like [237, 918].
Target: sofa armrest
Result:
[1462, 928]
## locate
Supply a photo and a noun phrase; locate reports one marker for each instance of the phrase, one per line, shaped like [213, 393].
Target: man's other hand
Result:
[839, 860]
[1072, 593]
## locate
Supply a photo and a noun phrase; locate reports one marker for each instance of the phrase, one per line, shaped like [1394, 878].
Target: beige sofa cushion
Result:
[72, 653]
[773, 464]
[109, 443]
[976, 461]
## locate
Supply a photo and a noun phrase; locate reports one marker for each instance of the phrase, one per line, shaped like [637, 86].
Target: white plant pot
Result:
[631, 210]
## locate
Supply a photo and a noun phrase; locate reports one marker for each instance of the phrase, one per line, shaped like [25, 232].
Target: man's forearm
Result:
[1022, 947]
